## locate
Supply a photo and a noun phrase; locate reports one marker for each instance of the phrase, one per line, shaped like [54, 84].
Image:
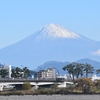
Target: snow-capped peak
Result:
[55, 31]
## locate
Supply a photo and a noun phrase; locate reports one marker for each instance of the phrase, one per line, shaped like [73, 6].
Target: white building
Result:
[51, 73]
[46, 74]
[8, 68]
[95, 78]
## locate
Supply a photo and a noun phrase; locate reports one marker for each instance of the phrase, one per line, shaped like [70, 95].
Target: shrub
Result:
[84, 84]
[26, 86]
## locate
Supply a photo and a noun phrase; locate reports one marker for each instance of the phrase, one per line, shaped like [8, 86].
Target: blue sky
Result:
[20, 18]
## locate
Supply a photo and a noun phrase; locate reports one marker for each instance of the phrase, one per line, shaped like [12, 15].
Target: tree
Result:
[3, 73]
[79, 71]
[17, 72]
[13, 74]
[74, 69]
[88, 69]
[98, 71]
[70, 69]
[84, 84]
[26, 72]
[20, 73]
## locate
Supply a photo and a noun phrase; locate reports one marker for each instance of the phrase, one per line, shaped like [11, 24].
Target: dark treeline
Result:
[79, 70]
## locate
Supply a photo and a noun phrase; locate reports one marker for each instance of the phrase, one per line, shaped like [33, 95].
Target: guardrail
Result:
[31, 80]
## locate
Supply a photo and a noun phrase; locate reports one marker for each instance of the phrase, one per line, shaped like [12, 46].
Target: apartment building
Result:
[46, 74]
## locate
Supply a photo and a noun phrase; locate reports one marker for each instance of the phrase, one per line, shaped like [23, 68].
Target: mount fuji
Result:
[50, 43]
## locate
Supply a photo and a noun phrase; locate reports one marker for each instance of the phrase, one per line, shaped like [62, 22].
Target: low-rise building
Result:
[45, 74]
[95, 78]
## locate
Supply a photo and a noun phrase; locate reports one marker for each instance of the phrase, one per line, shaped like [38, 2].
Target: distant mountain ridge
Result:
[50, 43]
[59, 65]
[54, 64]
[95, 64]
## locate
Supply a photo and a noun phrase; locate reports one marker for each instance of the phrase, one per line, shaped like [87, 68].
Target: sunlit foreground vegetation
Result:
[80, 86]
[77, 71]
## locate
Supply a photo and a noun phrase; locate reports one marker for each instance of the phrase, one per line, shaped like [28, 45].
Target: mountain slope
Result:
[59, 65]
[50, 43]
[55, 64]
[95, 64]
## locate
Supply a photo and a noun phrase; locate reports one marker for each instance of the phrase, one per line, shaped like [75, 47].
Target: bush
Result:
[84, 84]
[26, 86]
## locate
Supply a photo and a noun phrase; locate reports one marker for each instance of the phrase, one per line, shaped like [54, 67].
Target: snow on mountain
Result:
[55, 31]
[50, 43]
[52, 32]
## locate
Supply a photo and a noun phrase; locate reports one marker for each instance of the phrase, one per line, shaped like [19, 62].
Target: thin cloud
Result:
[96, 52]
